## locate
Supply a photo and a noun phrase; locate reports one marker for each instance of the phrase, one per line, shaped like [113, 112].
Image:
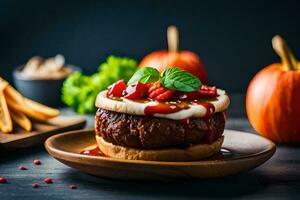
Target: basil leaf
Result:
[180, 80]
[144, 75]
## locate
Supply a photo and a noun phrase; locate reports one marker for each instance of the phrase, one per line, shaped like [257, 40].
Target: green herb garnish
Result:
[145, 75]
[172, 78]
[180, 80]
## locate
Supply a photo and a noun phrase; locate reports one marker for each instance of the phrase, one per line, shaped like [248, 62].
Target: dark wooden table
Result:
[279, 178]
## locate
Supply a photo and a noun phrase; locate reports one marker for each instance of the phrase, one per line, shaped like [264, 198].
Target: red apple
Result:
[186, 60]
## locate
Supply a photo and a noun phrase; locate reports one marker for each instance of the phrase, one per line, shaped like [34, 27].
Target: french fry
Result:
[13, 94]
[3, 84]
[5, 119]
[14, 107]
[21, 120]
[47, 111]
[23, 109]
[28, 107]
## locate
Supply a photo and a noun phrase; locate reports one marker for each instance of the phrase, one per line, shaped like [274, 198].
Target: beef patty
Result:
[147, 132]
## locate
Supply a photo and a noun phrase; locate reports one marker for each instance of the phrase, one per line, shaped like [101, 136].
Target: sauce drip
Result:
[166, 108]
[210, 110]
[92, 152]
[172, 107]
[186, 122]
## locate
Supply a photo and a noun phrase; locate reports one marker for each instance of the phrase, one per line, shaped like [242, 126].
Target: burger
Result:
[160, 117]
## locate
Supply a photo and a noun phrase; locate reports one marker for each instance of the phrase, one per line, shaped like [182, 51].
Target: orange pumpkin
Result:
[273, 98]
[185, 60]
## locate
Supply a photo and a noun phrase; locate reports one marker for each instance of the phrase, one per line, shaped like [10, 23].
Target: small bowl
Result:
[45, 91]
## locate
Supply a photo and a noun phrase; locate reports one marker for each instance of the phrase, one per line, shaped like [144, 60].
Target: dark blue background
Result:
[232, 37]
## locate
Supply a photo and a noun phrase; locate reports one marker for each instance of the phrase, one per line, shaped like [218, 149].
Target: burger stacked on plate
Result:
[163, 117]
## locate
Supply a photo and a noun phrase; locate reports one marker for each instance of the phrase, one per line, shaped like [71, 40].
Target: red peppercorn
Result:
[34, 185]
[48, 180]
[22, 168]
[3, 180]
[72, 187]
[37, 162]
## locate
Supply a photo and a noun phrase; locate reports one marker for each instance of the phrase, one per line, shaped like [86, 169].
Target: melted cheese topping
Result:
[138, 108]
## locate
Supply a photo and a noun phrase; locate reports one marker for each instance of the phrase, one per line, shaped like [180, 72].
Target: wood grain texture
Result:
[278, 178]
[19, 138]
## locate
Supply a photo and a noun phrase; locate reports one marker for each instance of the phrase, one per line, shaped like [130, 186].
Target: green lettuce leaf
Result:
[79, 91]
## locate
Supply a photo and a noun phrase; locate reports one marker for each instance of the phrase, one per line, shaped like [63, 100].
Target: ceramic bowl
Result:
[45, 91]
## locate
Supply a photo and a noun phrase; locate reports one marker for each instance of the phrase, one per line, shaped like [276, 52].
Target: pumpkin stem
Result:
[173, 39]
[289, 62]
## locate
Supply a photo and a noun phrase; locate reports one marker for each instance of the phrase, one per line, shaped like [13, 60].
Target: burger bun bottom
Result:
[191, 153]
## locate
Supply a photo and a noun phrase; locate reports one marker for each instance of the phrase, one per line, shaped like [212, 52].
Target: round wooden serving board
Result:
[240, 152]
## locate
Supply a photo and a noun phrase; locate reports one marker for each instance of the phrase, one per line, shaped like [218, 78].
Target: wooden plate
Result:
[40, 131]
[240, 152]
